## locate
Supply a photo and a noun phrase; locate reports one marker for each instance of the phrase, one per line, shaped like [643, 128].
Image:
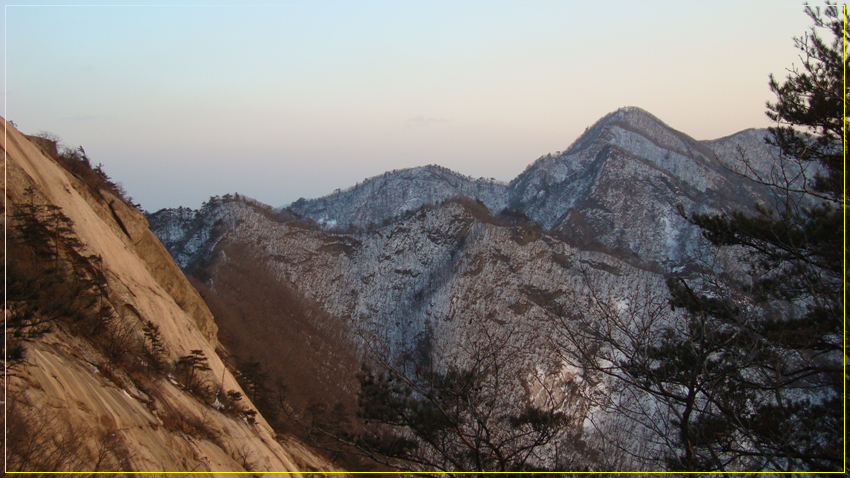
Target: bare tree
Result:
[464, 411]
[677, 375]
[42, 443]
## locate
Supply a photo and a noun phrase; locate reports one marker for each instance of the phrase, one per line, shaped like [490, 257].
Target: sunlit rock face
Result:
[83, 397]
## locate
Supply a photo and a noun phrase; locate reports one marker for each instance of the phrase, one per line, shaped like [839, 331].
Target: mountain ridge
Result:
[407, 189]
[627, 152]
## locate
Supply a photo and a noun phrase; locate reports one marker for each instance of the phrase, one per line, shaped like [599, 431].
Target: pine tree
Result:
[794, 417]
[154, 348]
[253, 380]
[190, 365]
[745, 373]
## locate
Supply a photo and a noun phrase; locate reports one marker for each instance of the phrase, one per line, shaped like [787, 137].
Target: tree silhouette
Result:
[797, 270]
[746, 372]
[190, 365]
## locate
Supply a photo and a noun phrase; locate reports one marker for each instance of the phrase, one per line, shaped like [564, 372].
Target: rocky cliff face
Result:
[86, 395]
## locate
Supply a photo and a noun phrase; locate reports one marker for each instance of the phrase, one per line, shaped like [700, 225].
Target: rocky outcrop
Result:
[107, 411]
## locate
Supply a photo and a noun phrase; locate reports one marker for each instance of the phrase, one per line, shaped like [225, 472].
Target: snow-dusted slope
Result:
[432, 283]
[621, 184]
[392, 194]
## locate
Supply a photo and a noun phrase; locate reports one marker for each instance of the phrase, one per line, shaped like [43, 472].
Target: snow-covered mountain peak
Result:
[631, 113]
[393, 193]
[632, 119]
[622, 181]
[619, 184]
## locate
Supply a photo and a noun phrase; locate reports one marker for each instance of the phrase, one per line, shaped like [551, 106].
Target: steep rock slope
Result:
[109, 412]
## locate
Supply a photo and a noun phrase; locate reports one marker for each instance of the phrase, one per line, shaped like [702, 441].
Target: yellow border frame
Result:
[5, 210]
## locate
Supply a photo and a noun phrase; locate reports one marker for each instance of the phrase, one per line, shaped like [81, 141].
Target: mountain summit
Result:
[391, 194]
[619, 185]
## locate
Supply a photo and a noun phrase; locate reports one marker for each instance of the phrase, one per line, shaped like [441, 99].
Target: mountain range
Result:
[282, 310]
[619, 184]
[417, 264]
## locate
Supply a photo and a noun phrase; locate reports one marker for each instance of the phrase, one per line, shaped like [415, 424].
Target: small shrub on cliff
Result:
[77, 162]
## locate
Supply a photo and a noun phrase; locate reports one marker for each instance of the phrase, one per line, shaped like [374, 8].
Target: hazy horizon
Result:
[277, 103]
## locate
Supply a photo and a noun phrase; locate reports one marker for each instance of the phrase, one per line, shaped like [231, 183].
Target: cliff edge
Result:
[110, 357]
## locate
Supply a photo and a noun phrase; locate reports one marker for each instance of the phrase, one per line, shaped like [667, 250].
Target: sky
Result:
[277, 103]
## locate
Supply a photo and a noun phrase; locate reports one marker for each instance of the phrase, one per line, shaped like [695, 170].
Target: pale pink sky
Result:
[278, 103]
